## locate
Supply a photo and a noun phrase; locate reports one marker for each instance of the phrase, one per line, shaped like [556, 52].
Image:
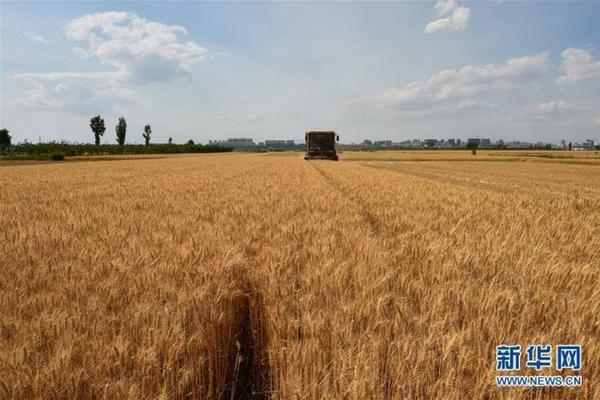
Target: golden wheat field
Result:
[236, 276]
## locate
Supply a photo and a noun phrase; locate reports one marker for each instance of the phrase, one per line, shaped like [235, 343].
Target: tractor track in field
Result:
[481, 183]
[248, 367]
[449, 181]
[373, 222]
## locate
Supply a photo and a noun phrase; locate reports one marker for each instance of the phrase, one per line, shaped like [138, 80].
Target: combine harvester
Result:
[320, 145]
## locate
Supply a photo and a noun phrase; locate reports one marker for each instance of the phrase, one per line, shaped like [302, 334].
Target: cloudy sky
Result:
[390, 70]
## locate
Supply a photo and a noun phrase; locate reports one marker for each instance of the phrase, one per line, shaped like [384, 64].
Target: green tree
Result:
[190, 142]
[147, 133]
[4, 140]
[473, 146]
[121, 129]
[170, 140]
[97, 125]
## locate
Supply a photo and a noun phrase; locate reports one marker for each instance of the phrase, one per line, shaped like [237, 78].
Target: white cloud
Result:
[555, 107]
[470, 104]
[37, 38]
[456, 18]
[139, 51]
[553, 110]
[579, 65]
[252, 118]
[72, 89]
[456, 86]
[445, 7]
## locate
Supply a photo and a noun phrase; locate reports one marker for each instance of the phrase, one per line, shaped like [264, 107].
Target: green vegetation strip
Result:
[58, 151]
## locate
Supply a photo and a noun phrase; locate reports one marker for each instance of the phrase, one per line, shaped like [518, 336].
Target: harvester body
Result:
[320, 145]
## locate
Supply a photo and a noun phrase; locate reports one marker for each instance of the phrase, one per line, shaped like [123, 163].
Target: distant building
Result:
[236, 143]
[519, 145]
[452, 143]
[279, 143]
[431, 143]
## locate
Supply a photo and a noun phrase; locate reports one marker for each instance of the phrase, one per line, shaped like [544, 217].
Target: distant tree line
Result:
[58, 150]
[49, 150]
[98, 128]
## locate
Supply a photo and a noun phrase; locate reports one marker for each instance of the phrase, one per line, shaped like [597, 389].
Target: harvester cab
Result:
[320, 145]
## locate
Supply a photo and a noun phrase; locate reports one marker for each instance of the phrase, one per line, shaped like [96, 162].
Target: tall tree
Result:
[170, 140]
[147, 133]
[473, 146]
[97, 125]
[4, 140]
[121, 129]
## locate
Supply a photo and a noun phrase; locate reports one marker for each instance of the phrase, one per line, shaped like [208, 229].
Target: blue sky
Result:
[377, 70]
